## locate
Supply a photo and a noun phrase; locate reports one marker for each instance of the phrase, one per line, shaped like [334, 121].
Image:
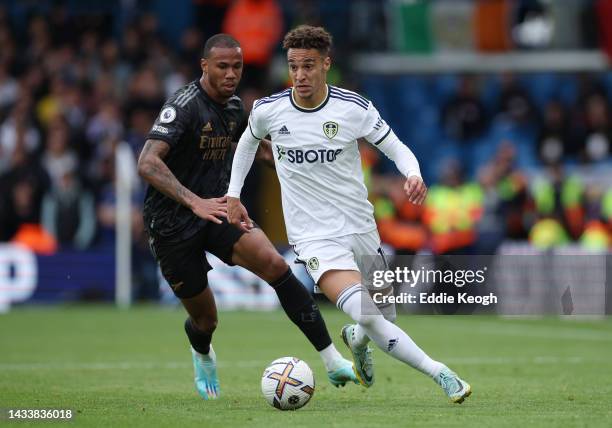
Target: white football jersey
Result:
[318, 161]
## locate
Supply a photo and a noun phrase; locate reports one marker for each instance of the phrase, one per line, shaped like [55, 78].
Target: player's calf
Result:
[199, 339]
[301, 308]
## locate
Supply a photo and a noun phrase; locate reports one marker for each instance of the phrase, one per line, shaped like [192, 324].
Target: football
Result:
[287, 383]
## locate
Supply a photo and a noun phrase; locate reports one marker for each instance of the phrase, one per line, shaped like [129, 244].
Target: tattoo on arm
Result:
[154, 171]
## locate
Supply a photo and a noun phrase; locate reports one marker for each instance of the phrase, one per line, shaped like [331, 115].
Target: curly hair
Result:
[308, 37]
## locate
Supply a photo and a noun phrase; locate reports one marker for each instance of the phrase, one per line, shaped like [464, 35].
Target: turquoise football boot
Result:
[362, 357]
[205, 369]
[345, 373]
[456, 388]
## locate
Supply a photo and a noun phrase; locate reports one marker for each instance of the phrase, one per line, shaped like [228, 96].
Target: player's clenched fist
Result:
[210, 209]
[238, 215]
[416, 190]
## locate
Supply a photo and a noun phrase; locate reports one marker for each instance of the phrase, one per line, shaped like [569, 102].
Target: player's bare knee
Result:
[278, 264]
[275, 266]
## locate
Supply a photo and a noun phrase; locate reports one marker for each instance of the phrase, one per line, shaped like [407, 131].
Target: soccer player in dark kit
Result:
[187, 162]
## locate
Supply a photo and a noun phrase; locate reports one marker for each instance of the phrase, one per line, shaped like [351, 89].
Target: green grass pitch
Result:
[133, 368]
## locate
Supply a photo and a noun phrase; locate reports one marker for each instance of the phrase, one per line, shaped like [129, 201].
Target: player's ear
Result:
[204, 65]
[326, 63]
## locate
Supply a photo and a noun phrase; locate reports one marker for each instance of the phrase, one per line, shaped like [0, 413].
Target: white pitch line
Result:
[173, 365]
[120, 365]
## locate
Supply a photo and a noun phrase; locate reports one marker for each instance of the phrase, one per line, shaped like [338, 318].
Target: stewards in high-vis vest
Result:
[597, 235]
[562, 199]
[451, 213]
[398, 221]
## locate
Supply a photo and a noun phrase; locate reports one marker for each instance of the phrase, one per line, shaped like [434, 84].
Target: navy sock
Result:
[200, 341]
[301, 308]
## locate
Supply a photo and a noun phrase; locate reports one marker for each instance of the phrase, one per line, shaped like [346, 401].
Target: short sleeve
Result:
[374, 129]
[170, 124]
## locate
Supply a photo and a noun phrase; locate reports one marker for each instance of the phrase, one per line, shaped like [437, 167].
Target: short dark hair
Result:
[308, 37]
[220, 40]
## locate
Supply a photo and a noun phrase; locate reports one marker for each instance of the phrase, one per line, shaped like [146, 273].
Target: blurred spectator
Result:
[464, 115]
[179, 77]
[491, 227]
[515, 103]
[192, 42]
[68, 211]
[398, 220]
[555, 141]
[131, 50]
[61, 24]
[139, 125]
[105, 124]
[560, 198]
[58, 157]
[452, 208]
[39, 40]
[107, 203]
[258, 26]
[8, 88]
[112, 64]
[21, 192]
[18, 130]
[597, 235]
[145, 90]
[51, 104]
[596, 136]
[8, 51]
[506, 202]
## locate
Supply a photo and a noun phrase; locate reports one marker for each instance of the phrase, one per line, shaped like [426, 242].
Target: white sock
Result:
[357, 303]
[360, 338]
[331, 358]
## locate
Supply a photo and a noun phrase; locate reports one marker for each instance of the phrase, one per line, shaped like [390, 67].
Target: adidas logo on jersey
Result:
[284, 131]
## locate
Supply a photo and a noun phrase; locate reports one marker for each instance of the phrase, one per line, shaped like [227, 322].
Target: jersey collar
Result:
[311, 110]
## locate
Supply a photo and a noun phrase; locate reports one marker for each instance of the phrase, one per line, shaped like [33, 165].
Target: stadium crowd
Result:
[73, 87]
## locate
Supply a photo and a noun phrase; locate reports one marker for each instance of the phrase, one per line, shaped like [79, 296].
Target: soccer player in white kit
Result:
[314, 129]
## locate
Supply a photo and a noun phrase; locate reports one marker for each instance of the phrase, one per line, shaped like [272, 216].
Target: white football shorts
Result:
[358, 252]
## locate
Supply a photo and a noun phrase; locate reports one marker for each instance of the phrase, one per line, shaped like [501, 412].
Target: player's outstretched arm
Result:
[154, 171]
